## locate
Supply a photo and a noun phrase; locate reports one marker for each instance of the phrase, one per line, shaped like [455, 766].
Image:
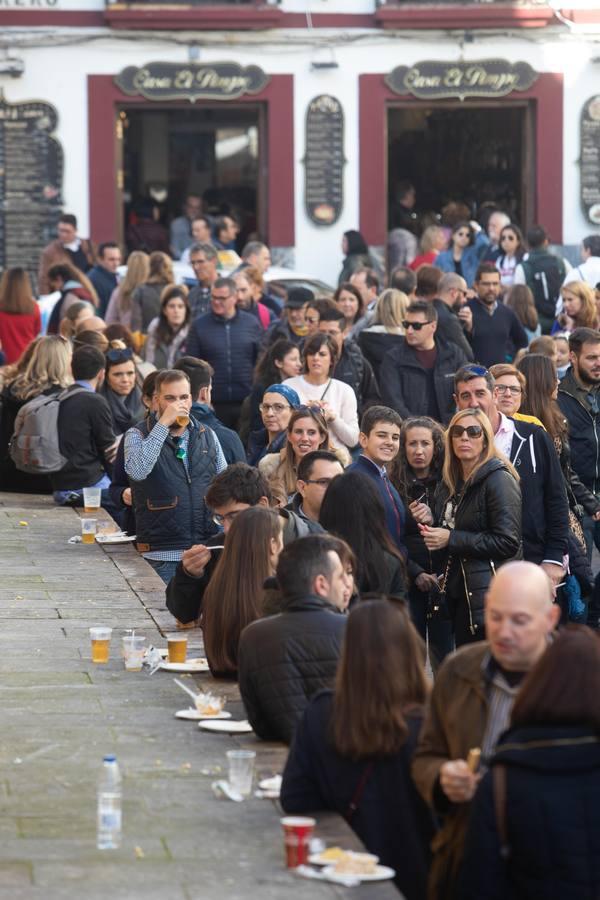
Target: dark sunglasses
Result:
[472, 431]
[119, 355]
[416, 326]
[479, 371]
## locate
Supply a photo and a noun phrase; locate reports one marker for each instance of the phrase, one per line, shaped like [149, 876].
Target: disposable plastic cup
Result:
[241, 770]
[100, 638]
[183, 421]
[133, 652]
[297, 831]
[177, 647]
[91, 499]
[88, 530]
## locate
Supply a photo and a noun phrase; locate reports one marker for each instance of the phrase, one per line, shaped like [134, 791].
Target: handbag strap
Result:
[356, 798]
[322, 397]
[499, 782]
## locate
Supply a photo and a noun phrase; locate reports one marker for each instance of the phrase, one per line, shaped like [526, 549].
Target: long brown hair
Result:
[540, 374]
[16, 296]
[520, 300]
[452, 470]
[381, 675]
[234, 597]
[564, 685]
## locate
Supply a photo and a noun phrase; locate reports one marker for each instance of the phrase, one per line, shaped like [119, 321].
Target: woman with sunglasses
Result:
[335, 399]
[477, 511]
[168, 333]
[120, 389]
[466, 251]
[512, 251]
[278, 403]
[306, 431]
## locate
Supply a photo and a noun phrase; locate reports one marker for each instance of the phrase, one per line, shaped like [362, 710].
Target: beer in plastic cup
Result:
[177, 645]
[133, 652]
[91, 499]
[100, 637]
[183, 420]
[241, 770]
[297, 832]
[88, 530]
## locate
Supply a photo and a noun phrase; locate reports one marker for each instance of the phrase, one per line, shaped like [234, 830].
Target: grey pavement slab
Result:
[61, 714]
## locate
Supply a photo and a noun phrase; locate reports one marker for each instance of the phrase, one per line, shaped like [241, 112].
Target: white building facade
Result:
[306, 114]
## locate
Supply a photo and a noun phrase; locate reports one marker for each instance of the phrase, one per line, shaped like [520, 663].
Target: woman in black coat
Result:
[415, 473]
[353, 746]
[541, 798]
[478, 513]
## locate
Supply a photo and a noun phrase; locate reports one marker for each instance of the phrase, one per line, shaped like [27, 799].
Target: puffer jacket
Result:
[231, 347]
[284, 660]
[486, 533]
[552, 819]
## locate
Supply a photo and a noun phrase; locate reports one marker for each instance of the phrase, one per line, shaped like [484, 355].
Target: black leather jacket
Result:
[486, 533]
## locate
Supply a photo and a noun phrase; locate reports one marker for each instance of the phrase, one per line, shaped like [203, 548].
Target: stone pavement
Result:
[60, 714]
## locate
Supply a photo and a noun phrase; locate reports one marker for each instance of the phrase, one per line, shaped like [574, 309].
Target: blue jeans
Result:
[163, 567]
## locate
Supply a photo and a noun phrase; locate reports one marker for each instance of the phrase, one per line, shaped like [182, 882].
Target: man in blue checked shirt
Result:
[171, 459]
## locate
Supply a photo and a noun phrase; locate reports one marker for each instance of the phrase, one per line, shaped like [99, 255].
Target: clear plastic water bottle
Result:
[109, 805]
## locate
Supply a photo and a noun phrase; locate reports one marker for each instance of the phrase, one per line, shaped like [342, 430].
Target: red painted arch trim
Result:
[374, 97]
[104, 97]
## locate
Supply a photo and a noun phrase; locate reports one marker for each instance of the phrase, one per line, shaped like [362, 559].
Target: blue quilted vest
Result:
[170, 510]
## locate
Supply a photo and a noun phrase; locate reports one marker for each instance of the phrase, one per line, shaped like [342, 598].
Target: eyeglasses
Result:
[218, 519]
[322, 482]
[472, 431]
[508, 389]
[416, 326]
[119, 355]
[181, 452]
[277, 408]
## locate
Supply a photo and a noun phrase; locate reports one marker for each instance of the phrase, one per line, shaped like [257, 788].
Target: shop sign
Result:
[589, 159]
[31, 173]
[324, 160]
[431, 80]
[191, 81]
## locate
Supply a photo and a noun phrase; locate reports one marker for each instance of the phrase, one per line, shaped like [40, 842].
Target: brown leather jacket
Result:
[454, 723]
[53, 254]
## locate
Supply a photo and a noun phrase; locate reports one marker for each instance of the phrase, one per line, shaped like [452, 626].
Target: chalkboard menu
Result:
[590, 159]
[324, 160]
[31, 168]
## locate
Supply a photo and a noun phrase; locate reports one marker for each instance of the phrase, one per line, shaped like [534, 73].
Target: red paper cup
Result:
[297, 832]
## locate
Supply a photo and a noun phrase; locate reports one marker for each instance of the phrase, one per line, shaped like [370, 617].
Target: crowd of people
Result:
[380, 505]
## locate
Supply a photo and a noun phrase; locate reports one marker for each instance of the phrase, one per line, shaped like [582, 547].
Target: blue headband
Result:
[289, 393]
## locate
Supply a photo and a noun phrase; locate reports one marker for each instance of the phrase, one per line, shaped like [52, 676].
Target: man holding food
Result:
[470, 707]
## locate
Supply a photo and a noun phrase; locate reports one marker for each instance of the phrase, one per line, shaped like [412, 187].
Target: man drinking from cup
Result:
[171, 460]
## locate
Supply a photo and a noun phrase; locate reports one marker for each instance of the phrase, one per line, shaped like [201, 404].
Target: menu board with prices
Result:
[590, 159]
[31, 171]
[324, 160]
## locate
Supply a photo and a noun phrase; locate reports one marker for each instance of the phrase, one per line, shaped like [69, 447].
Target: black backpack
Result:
[544, 274]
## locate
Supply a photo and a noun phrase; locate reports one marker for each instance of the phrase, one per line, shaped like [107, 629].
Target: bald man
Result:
[93, 323]
[471, 702]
